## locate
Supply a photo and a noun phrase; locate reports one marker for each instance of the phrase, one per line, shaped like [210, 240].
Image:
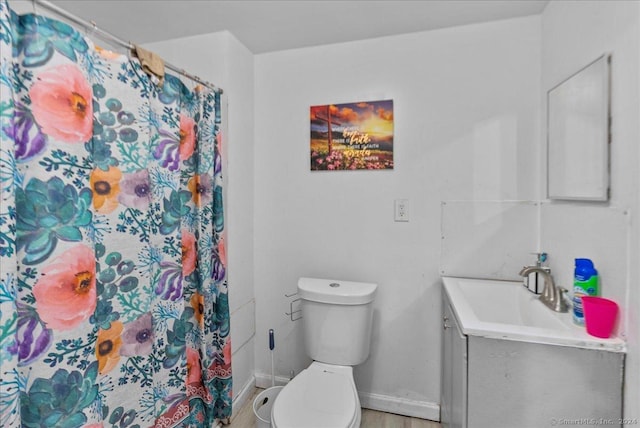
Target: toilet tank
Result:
[336, 318]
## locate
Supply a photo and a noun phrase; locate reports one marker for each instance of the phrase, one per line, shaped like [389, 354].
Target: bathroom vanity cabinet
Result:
[491, 382]
[453, 401]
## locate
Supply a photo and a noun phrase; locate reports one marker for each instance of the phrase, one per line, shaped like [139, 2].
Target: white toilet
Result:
[336, 318]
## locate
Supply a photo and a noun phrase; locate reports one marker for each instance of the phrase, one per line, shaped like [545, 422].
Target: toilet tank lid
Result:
[336, 291]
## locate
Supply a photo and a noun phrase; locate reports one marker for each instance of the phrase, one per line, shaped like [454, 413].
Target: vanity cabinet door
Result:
[453, 401]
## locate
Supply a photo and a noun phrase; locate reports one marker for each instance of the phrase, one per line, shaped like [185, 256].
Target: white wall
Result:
[574, 34]
[466, 106]
[221, 59]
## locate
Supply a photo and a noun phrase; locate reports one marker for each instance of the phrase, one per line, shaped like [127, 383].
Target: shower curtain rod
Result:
[112, 38]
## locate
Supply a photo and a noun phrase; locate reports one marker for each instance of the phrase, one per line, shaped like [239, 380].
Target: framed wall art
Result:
[351, 136]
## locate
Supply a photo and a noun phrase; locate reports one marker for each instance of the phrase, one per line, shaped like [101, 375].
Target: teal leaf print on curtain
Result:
[39, 37]
[60, 401]
[113, 294]
[49, 211]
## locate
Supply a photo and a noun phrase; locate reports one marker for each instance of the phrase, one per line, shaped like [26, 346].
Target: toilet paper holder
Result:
[293, 313]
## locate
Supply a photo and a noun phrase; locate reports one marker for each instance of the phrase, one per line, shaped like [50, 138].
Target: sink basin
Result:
[504, 302]
[505, 310]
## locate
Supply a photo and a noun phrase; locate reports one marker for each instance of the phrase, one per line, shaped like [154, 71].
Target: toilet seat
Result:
[321, 396]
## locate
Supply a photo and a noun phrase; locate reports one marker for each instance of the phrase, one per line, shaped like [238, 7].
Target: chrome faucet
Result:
[552, 296]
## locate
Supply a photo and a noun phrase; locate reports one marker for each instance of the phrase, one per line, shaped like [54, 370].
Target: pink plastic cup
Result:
[599, 315]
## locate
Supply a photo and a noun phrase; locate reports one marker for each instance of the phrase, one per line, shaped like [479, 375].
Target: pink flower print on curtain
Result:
[222, 252]
[194, 371]
[187, 136]
[66, 292]
[189, 253]
[61, 104]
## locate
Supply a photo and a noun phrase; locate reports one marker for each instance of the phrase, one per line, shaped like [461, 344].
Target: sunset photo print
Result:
[352, 136]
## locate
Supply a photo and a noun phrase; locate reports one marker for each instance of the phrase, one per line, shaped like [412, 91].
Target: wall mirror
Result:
[578, 135]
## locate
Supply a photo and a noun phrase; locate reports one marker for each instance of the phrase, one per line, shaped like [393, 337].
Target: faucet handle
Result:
[564, 295]
[540, 258]
[564, 302]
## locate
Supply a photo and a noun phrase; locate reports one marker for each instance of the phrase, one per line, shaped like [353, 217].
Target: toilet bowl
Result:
[321, 396]
[336, 320]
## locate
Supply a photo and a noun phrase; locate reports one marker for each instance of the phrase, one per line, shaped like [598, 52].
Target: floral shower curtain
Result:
[113, 294]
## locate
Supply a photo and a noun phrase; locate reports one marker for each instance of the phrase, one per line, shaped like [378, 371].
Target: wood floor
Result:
[370, 418]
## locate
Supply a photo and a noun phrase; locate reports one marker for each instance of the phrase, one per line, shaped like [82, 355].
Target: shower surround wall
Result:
[466, 106]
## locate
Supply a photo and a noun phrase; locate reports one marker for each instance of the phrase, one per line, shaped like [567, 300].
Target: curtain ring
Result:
[93, 28]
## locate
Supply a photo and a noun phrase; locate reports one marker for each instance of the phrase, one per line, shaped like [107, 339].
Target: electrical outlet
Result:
[401, 210]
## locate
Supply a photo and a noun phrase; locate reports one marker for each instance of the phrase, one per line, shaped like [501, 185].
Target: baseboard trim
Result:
[241, 397]
[263, 380]
[400, 406]
[369, 400]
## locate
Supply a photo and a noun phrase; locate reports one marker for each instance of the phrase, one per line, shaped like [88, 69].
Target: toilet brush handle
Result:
[272, 344]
